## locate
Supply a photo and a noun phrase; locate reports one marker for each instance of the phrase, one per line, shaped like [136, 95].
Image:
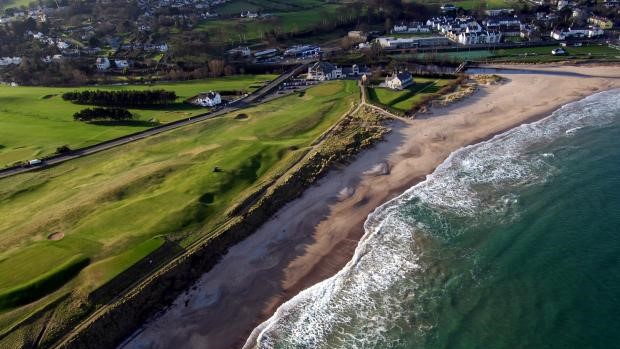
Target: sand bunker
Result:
[56, 236]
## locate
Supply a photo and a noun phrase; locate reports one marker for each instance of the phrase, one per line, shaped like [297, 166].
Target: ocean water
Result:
[510, 243]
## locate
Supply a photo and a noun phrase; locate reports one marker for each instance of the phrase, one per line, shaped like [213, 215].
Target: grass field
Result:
[543, 53]
[231, 31]
[4, 4]
[34, 121]
[233, 8]
[406, 99]
[114, 207]
[526, 54]
[473, 4]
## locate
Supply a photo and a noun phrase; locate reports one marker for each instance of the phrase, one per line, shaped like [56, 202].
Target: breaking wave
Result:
[378, 295]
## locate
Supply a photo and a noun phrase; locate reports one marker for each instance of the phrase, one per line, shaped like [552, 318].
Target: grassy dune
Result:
[115, 207]
[34, 121]
[406, 99]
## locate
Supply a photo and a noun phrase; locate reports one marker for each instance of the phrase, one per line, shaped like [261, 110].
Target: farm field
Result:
[405, 100]
[81, 223]
[4, 4]
[235, 7]
[473, 4]
[232, 31]
[34, 121]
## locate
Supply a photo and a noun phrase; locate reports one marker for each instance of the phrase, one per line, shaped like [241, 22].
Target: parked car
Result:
[558, 51]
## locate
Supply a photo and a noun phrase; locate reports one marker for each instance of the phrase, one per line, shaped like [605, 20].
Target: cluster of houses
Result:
[325, 71]
[499, 25]
[104, 63]
[38, 14]
[584, 32]
[274, 54]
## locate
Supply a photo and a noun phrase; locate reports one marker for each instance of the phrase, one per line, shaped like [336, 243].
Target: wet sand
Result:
[314, 236]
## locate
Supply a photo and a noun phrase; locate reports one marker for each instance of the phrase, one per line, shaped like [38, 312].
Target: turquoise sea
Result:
[510, 243]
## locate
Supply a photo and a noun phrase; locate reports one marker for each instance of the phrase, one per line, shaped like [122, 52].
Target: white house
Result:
[590, 32]
[102, 63]
[121, 63]
[399, 81]
[248, 14]
[485, 37]
[209, 99]
[4, 61]
[413, 27]
[242, 51]
[322, 71]
[62, 45]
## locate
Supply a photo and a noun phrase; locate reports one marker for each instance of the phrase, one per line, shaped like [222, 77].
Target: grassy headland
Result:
[409, 98]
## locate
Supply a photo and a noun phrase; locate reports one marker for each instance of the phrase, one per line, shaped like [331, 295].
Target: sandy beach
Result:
[314, 236]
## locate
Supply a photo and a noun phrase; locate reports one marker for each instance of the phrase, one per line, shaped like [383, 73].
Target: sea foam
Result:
[369, 300]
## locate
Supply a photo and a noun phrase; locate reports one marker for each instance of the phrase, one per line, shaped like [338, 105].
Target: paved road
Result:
[252, 99]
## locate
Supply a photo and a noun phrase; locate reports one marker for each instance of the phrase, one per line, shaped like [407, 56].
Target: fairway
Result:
[113, 208]
[408, 98]
[34, 121]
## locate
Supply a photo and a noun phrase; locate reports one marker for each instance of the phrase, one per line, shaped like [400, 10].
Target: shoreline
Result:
[313, 237]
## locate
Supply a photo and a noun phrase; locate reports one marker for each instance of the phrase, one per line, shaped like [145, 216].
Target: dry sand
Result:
[314, 236]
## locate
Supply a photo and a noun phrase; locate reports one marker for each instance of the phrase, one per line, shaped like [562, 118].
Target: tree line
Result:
[121, 98]
[96, 114]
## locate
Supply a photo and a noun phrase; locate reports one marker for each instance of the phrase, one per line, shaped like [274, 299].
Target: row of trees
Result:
[121, 98]
[98, 114]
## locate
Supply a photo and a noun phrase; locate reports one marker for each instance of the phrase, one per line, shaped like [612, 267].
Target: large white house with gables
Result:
[399, 81]
[209, 99]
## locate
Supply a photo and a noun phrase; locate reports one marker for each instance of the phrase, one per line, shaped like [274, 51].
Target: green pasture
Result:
[525, 54]
[4, 4]
[235, 7]
[230, 31]
[34, 121]
[117, 206]
[409, 97]
[543, 53]
[473, 4]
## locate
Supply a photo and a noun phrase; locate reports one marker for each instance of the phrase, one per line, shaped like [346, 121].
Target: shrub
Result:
[121, 98]
[92, 114]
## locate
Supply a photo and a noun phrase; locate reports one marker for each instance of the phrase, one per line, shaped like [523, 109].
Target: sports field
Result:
[408, 98]
[34, 121]
[82, 222]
